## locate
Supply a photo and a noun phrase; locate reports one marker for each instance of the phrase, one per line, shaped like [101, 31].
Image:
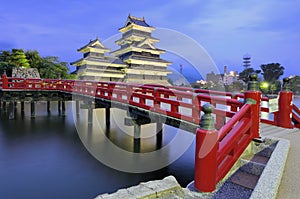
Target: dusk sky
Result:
[267, 30]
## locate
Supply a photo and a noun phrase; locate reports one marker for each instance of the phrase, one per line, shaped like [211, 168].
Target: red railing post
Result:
[196, 108]
[206, 152]
[4, 81]
[253, 96]
[285, 106]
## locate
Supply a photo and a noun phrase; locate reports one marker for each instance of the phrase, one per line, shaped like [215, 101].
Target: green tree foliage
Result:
[244, 75]
[215, 86]
[52, 68]
[295, 85]
[48, 67]
[272, 72]
[18, 58]
[34, 58]
[235, 87]
[5, 63]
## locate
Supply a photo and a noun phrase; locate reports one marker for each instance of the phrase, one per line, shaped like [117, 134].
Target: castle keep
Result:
[136, 61]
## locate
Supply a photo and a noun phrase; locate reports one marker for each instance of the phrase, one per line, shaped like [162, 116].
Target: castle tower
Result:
[95, 65]
[137, 50]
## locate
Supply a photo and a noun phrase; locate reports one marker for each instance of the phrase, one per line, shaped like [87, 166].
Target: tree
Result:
[244, 75]
[52, 68]
[34, 58]
[272, 72]
[18, 58]
[295, 85]
[48, 67]
[5, 63]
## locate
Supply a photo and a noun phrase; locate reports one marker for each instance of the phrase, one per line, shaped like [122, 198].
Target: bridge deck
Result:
[267, 130]
[289, 187]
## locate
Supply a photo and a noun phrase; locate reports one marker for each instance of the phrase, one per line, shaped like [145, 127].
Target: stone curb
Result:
[165, 188]
[269, 181]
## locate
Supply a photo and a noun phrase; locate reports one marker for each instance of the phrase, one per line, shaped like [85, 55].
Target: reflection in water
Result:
[121, 135]
[45, 158]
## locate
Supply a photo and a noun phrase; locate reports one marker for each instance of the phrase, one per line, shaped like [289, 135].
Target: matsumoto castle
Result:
[136, 61]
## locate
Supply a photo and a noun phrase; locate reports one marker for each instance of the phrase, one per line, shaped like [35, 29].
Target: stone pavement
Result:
[290, 183]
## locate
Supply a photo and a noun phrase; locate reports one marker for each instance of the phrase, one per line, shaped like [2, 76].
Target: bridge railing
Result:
[219, 150]
[175, 103]
[296, 116]
[179, 102]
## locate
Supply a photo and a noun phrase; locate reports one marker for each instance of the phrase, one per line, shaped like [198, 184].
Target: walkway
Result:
[289, 187]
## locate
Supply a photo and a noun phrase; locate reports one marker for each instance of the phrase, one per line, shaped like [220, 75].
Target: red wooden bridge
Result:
[229, 123]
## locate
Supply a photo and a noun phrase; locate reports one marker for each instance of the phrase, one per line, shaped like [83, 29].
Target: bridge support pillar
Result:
[11, 110]
[107, 118]
[63, 108]
[159, 134]
[90, 116]
[32, 109]
[48, 106]
[22, 106]
[4, 106]
[137, 131]
[137, 145]
[90, 108]
[137, 138]
[58, 107]
[77, 107]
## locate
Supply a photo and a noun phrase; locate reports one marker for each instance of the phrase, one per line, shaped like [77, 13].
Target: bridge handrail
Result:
[223, 147]
[125, 92]
[296, 116]
[237, 117]
[296, 109]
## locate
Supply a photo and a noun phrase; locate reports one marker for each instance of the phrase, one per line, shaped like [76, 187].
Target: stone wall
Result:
[25, 72]
[165, 188]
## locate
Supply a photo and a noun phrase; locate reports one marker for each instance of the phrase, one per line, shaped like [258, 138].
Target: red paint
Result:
[285, 107]
[206, 160]
[216, 152]
[255, 96]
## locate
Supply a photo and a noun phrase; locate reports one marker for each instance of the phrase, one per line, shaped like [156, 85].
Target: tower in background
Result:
[247, 60]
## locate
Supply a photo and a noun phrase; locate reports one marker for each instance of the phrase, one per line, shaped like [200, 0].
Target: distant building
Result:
[212, 77]
[225, 78]
[231, 77]
[137, 60]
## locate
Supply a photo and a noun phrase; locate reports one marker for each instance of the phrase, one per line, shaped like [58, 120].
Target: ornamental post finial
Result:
[207, 121]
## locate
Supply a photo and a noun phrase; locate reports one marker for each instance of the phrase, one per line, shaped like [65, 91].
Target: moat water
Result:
[45, 157]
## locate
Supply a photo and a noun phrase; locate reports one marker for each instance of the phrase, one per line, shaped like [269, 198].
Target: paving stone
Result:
[260, 159]
[141, 191]
[245, 179]
[252, 167]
